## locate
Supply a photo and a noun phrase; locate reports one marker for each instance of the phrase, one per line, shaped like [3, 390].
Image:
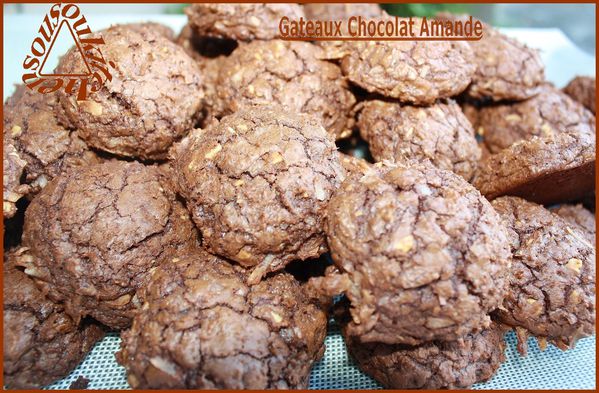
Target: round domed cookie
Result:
[579, 216]
[552, 280]
[547, 113]
[36, 147]
[241, 22]
[422, 255]
[417, 72]
[547, 170]
[257, 185]
[439, 134]
[154, 97]
[340, 11]
[288, 74]
[434, 365]
[583, 89]
[94, 234]
[41, 342]
[202, 326]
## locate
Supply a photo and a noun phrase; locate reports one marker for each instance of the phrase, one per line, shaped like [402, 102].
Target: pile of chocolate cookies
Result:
[195, 200]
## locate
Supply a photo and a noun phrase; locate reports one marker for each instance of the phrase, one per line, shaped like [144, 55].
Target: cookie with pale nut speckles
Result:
[552, 280]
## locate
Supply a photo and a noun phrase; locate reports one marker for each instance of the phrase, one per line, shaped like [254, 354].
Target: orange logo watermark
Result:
[95, 70]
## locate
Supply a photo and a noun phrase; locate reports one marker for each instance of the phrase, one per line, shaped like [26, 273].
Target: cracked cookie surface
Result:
[417, 72]
[579, 216]
[241, 22]
[435, 365]
[41, 342]
[203, 327]
[94, 233]
[440, 134]
[583, 89]
[547, 113]
[36, 147]
[155, 95]
[553, 169]
[288, 74]
[257, 185]
[552, 280]
[422, 255]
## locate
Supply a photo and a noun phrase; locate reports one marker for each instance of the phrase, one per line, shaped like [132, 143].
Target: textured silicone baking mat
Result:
[551, 369]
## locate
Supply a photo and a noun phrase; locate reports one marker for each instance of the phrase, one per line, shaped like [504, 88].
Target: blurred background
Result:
[577, 21]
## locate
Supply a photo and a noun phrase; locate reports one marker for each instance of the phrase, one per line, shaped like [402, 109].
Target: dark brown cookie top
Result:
[152, 28]
[41, 342]
[435, 365]
[582, 89]
[155, 95]
[422, 255]
[203, 327]
[339, 11]
[257, 185]
[439, 134]
[547, 113]
[241, 22]
[579, 216]
[289, 74]
[95, 232]
[417, 72]
[547, 170]
[36, 147]
[552, 280]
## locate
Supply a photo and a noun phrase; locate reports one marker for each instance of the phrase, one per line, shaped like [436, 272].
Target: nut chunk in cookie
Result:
[202, 326]
[552, 281]
[241, 22]
[41, 342]
[421, 255]
[95, 233]
[433, 365]
[257, 185]
[440, 134]
[291, 75]
[154, 97]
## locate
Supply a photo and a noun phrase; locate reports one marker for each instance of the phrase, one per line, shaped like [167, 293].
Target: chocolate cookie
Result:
[439, 134]
[435, 365]
[505, 68]
[203, 327]
[549, 112]
[338, 11]
[95, 232]
[241, 22]
[257, 185]
[552, 284]
[417, 72]
[41, 342]
[288, 74]
[582, 89]
[580, 217]
[36, 147]
[422, 255]
[154, 97]
[546, 170]
[153, 28]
